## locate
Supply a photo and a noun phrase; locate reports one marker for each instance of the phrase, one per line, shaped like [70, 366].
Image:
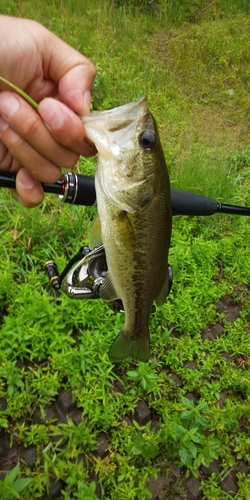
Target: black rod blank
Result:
[80, 190]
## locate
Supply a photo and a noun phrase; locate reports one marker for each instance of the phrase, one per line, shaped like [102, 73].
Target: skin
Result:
[60, 79]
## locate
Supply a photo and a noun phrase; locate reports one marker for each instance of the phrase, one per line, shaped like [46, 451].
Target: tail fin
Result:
[124, 347]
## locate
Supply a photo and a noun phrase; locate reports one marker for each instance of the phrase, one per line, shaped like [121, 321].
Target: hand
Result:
[38, 145]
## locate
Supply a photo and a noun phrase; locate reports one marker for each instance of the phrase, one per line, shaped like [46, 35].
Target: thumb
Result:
[75, 87]
[73, 73]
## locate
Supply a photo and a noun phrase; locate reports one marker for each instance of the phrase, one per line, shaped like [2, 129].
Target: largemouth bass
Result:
[134, 207]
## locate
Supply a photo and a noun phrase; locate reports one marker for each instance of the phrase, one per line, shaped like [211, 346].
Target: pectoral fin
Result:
[107, 291]
[95, 237]
[125, 231]
[160, 299]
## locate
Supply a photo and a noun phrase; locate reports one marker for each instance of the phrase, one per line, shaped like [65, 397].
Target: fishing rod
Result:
[78, 189]
[84, 274]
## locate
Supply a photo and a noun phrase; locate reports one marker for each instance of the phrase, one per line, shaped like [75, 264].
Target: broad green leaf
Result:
[133, 374]
[201, 420]
[197, 461]
[10, 390]
[21, 484]
[149, 451]
[185, 415]
[11, 476]
[202, 406]
[187, 403]
[183, 453]
[193, 431]
[195, 439]
[192, 449]
[136, 451]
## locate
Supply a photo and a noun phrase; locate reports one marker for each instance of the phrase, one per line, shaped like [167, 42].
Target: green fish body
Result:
[134, 207]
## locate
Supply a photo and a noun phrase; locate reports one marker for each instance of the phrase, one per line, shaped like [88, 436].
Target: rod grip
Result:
[185, 203]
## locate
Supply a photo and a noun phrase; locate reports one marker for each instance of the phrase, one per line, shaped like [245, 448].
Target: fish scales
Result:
[134, 206]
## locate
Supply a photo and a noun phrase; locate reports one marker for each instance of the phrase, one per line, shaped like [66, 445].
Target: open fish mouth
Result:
[119, 116]
[109, 128]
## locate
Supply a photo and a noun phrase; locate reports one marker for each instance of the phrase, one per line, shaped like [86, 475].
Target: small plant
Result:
[10, 487]
[186, 439]
[145, 376]
[11, 375]
[146, 442]
[85, 492]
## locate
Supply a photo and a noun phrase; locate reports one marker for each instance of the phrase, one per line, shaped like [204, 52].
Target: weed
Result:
[149, 381]
[192, 60]
[10, 487]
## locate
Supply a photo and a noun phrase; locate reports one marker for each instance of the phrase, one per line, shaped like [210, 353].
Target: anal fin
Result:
[160, 299]
[95, 237]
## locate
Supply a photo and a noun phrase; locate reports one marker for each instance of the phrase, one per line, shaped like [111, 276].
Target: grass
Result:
[192, 62]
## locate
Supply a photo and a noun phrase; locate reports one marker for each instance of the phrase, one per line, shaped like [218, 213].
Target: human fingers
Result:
[29, 191]
[65, 126]
[75, 87]
[40, 168]
[73, 72]
[6, 158]
[27, 138]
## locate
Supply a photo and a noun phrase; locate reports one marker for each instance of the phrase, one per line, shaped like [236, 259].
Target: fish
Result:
[134, 209]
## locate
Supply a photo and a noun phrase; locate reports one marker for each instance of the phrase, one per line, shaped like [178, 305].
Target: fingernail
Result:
[88, 141]
[19, 199]
[26, 180]
[51, 112]
[9, 105]
[86, 102]
[3, 124]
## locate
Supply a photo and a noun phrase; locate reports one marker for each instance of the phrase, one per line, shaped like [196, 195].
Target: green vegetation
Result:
[192, 60]
[10, 487]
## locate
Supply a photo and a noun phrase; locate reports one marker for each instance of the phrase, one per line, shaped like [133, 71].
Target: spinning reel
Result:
[83, 276]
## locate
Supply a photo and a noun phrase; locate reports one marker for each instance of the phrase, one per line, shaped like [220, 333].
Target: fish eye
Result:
[147, 140]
